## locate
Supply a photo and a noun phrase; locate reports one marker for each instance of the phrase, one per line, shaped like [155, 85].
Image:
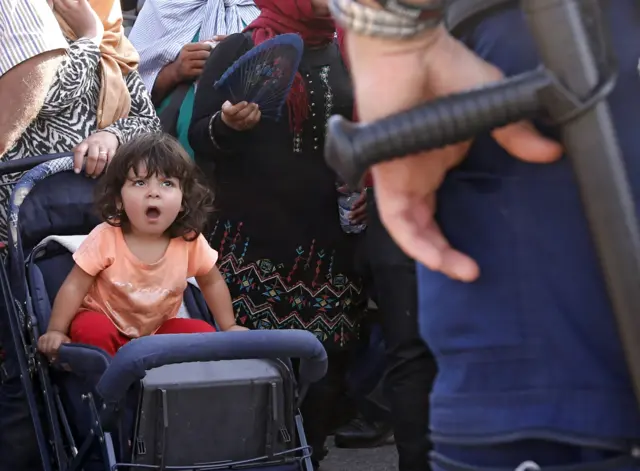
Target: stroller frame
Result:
[105, 405]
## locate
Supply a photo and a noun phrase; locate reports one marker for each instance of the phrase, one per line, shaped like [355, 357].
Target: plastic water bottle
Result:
[345, 206]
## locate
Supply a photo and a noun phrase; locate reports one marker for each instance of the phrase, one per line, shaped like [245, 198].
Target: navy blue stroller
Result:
[163, 402]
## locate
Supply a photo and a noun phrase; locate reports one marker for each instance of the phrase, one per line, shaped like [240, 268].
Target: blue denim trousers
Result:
[533, 455]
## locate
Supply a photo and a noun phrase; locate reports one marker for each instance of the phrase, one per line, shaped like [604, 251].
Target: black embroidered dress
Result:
[287, 261]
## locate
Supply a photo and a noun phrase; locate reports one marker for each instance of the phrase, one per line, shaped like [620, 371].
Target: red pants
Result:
[95, 328]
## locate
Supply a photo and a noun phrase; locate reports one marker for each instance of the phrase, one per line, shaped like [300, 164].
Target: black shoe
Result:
[316, 458]
[360, 433]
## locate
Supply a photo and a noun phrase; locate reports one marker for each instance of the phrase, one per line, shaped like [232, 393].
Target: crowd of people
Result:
[78, 82]
[508, 296]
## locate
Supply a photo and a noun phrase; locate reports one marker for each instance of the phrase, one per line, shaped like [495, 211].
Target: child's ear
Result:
[184, 210]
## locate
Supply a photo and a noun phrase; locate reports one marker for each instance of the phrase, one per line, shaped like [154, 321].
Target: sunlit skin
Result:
[152, 202]
[432, 64]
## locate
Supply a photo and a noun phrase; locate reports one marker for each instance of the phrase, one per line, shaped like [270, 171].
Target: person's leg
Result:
[320, 402]
[365, 379]
[184, 326]
[410, 366]
[18, 446]
[95, 328]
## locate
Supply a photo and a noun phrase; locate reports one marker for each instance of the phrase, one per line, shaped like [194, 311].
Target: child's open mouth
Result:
[152, 213]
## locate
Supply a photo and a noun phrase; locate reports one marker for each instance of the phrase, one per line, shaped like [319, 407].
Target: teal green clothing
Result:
[186, 109]
[184, 118]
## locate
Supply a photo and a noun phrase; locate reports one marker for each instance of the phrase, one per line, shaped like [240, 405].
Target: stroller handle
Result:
[22, 165]
[132, 361]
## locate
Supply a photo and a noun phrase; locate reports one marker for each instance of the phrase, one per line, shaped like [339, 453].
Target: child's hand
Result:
[49, 343]
[236, 328]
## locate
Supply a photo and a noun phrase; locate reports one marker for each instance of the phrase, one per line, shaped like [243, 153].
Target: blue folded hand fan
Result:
[264, 74]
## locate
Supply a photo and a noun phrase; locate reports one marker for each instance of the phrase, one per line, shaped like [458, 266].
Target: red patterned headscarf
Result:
[293, 16]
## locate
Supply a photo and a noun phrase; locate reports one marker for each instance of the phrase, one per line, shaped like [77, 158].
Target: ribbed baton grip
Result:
[352, 148]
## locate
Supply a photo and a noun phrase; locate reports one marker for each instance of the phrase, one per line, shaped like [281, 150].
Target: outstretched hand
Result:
[394, 75]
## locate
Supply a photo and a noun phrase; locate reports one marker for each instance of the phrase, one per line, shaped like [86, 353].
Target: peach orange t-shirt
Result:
[138, 297]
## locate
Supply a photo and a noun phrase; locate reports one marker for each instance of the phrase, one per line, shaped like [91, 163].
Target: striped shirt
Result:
[163, 27]
[27, 28]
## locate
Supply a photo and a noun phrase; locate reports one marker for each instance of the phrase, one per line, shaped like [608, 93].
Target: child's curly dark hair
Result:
[163, 155]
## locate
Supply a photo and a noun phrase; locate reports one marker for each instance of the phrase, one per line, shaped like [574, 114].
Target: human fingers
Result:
[107, 151]
[197, 55]
[231, 110]
[523, 141]
[358, 213]
[42, 344]
[247, 112]
[78, 156]
[409, 218]
[253, 118]
[94, 153]
[197, 47]
[101, 163]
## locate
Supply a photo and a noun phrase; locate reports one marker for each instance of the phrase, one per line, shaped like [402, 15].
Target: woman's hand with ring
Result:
[95, 152]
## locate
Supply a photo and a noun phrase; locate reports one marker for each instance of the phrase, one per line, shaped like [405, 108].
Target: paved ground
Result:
[372, 459]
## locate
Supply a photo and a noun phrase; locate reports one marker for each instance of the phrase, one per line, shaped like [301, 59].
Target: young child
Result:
[131, 271]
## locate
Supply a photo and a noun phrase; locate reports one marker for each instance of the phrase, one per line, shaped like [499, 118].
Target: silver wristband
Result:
[211, 132]
[367, 21]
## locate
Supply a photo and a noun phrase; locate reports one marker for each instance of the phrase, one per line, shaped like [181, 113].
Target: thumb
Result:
[226, 107]
[524, 142]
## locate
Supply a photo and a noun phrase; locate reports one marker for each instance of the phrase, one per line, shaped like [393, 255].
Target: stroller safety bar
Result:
[133, 360]
[85, 361]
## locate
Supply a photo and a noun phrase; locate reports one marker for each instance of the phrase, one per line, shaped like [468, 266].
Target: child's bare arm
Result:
[69, 299]
[216, 294]
[65, 307]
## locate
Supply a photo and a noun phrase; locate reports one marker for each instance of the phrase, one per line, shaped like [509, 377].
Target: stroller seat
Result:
[162, 400]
